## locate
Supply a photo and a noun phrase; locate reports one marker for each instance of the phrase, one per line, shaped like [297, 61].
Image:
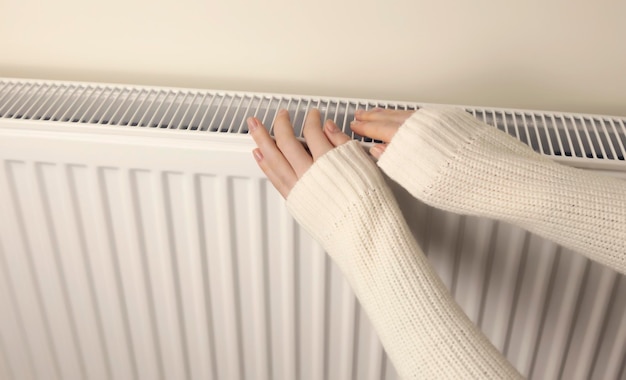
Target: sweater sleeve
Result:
[450, 160]
[345, 204]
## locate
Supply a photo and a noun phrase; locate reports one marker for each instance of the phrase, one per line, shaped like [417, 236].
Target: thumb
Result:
[376, 130]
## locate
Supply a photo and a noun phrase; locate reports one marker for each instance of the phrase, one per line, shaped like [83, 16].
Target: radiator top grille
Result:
[552, 134]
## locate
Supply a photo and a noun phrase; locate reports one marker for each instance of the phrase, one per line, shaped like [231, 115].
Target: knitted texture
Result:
[450, 160]
[345, 204]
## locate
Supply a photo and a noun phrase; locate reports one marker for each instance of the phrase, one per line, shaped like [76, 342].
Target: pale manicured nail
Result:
[258, 156]
[331, 127]
[252, 124]
[377, 150]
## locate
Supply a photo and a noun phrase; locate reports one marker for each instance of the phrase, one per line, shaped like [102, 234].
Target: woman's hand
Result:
[379, 124]
[285, 160]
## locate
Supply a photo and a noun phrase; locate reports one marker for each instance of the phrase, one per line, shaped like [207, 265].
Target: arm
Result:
[343, 201]
[345, 204]
[450, 160]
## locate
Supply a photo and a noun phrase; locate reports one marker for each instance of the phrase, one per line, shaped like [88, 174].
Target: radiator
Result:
[139, 240]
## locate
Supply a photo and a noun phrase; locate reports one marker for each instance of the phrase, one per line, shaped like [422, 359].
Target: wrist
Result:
[426, 144]
[341, 178]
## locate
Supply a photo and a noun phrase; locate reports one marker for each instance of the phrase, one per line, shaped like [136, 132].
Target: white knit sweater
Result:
[448, 159]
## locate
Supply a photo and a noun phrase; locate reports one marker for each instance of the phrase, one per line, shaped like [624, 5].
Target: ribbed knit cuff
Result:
[338, 179]
[450, 160]
[425, 144]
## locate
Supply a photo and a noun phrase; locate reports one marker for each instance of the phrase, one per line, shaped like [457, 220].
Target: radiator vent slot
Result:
[552, 134]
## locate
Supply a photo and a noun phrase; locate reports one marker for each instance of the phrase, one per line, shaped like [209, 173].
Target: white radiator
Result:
[139, 240]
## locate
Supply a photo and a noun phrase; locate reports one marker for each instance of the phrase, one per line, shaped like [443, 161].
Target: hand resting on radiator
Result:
[450, 160]
[341, 198]
[285, 160]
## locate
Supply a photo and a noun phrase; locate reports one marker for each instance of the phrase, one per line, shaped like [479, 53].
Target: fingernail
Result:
[258, 156]
[355, 122]
[252, 124]
[377, 150]
[377, 109]
[331, 127]
[358, 112]
[282, 111]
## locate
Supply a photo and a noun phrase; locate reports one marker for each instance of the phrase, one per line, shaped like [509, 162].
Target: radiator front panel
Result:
[132, 271]
[152, 263]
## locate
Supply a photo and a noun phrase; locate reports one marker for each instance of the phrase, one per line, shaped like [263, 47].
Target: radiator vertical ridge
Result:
[133, 274]
[457, 248]
[288, 244]
[602, 326]
[488, 275]
[328, 271]
[134, 216]
[230, 291]
[574, 318]
[533, 293]
[375, 357]
[16, 325]
[54, 366]
[258, 256]
[473, 250]
[5, 370]
[113, 253]
[298, 296]
[563, 298]
[440, 245]
[193, 273]
[166, 180]
[348, 326]
[207, 302]
[319, 299]
[164, 281]
[544, 312]
[512, 253]
[620, 332]
[52, 232]
[87, 265]
[517, 289]
[575, 363]
[617, 353]
[211, 245]
[16, 332]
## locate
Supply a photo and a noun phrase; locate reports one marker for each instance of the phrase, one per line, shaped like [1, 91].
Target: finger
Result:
[291, 148]
[314, 136]
[380, 114]
[377, 130]
[276, 181]
[334, 135]
[272, 160]
[378, 150]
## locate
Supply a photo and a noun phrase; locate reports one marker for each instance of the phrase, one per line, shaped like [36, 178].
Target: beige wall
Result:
[561, 56]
